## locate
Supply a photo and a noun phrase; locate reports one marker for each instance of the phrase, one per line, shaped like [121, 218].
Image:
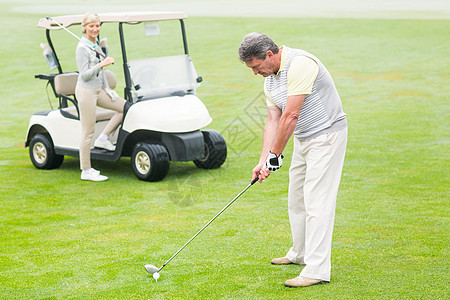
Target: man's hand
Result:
[274, 162]
[261, 172]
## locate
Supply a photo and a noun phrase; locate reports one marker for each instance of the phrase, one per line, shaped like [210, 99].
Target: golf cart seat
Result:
[163, 77]
[65, 89]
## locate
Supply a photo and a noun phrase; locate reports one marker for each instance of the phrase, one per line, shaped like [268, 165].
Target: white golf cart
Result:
[163, 116]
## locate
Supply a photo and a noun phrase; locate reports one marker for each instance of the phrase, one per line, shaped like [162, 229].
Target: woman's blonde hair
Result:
[89, 17]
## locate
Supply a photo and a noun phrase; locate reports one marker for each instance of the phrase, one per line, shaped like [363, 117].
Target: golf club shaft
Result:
[210, 221]
[74, 35]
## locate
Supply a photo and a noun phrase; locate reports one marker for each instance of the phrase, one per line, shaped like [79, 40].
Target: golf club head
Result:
[151, 269]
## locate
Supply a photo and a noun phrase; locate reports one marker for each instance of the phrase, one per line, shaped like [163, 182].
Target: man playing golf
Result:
[301, 100]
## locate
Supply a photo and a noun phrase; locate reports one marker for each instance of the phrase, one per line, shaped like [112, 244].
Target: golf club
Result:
[155, 270]
[74, 35]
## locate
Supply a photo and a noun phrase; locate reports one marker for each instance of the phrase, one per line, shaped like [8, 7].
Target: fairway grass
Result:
[62, 238]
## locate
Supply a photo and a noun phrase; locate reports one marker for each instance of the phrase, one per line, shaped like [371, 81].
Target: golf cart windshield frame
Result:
[128, 83]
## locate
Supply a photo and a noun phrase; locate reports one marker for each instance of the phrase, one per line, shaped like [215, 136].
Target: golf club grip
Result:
[100, 53]
[255, 180]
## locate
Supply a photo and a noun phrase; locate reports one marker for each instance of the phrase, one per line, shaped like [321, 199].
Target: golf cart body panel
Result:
[182, 145]
[65, 132]
[170, 114]
[162, 120]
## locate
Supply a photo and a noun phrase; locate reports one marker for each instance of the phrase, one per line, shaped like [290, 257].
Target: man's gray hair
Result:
[256, 45]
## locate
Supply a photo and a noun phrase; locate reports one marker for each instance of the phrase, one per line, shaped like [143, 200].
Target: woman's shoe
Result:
[92, 175]
[104, 145]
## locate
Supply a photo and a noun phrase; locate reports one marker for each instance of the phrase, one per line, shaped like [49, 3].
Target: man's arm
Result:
[277, 132]
[301, 77]
[269, 137]
[287, 123]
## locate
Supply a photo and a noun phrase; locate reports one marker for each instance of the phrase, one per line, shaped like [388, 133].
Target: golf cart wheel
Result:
[215, 150]
[42, 152]
[150, 162]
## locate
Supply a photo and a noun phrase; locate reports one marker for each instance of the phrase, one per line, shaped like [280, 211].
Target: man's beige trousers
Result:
[314, 179]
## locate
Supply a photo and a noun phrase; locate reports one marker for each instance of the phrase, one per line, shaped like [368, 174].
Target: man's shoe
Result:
[301, 281]
[104, 145]
[281, 261]
[92, 175]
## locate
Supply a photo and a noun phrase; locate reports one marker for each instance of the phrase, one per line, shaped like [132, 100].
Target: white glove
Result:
[112, 93]
[274, 162]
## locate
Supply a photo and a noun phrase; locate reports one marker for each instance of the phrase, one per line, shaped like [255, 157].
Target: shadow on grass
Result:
[122, 168]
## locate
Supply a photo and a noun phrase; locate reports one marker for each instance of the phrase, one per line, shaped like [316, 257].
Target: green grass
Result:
[63, 238]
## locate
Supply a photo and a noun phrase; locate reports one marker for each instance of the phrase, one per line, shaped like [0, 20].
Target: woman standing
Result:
[92, 89]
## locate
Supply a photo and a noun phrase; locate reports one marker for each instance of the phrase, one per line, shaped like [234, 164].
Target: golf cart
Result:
[163, 116]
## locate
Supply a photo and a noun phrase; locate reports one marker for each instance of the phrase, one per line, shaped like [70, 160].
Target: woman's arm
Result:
[82, 57]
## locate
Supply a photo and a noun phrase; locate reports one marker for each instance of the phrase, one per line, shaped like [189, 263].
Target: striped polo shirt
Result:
[321, 111]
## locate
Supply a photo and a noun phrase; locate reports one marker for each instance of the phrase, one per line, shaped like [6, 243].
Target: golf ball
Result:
[156, 276]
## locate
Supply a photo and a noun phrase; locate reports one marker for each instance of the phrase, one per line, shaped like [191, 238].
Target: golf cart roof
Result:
[120, 17]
